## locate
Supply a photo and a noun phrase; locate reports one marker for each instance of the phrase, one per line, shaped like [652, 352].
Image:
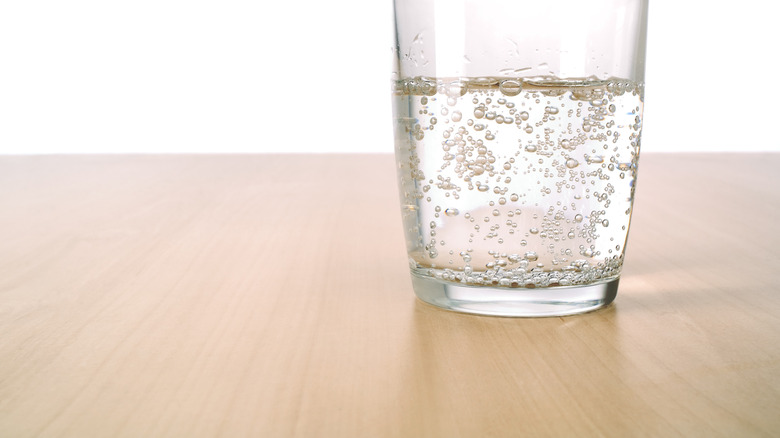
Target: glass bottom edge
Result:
[515, 302]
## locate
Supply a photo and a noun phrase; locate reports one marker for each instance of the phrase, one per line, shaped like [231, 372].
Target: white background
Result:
[149, 76]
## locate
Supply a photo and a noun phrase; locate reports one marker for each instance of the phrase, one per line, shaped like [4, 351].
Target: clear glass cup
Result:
[517, 137]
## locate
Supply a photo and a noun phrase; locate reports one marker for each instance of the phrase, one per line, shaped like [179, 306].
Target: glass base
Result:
[523, 302]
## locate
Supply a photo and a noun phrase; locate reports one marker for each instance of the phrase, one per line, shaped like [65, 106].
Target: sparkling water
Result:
[517, 182]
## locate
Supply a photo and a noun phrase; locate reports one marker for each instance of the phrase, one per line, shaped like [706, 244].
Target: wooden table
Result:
[269, 296]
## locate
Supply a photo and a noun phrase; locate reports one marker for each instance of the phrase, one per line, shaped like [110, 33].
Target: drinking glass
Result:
[517, 131]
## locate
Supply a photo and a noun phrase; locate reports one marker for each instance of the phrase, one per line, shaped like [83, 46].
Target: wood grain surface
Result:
[268, 296]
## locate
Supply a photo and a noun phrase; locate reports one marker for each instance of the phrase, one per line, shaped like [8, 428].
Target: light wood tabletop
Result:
[269, 296]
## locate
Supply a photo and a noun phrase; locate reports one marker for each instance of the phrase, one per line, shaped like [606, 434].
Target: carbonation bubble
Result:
[524, 115]
[456, 116]
[456, 89]
[530, 148]
[451, 212]
[578, 218]
[605, 223]
[510, 87]
[551, 110]
[514, 197]
[531, 256]
[479, 112]
[571, 163]
[534, 230]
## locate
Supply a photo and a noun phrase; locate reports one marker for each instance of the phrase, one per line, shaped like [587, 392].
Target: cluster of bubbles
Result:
[489, 166]
[524, 275]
